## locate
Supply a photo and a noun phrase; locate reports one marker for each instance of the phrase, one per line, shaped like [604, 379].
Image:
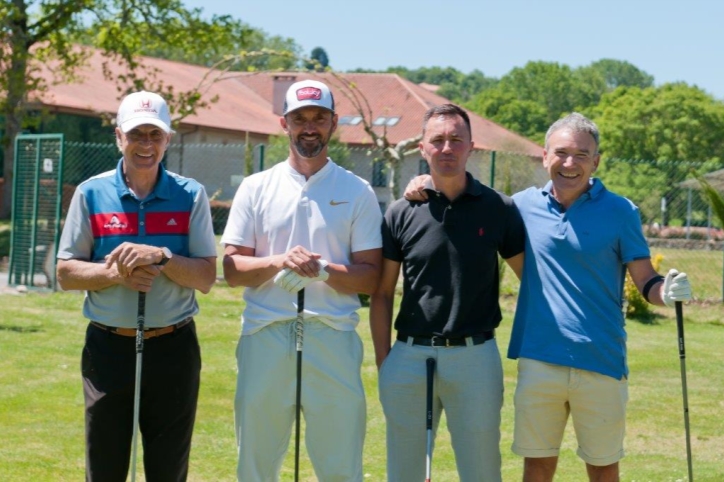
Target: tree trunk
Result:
[394, 183]
[13, 106]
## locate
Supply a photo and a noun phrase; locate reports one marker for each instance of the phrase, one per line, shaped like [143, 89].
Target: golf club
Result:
[682, 359]
[299, 331]
[430, 372]
[141, 320]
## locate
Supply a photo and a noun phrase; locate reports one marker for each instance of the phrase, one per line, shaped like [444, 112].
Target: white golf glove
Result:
[676, 288]
[290, 281]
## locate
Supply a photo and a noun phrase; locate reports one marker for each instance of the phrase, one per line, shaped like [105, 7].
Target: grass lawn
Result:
[41, 402]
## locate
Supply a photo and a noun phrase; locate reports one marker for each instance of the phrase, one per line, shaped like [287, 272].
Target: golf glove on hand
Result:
[290, 281]
[676, 288]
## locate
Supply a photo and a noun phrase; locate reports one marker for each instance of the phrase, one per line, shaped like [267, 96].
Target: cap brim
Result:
[139, 121]
[309, 104]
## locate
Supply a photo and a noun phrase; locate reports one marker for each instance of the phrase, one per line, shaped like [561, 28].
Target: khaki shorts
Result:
[544, 397]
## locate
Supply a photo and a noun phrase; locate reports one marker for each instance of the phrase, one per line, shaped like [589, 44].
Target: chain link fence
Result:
[677, 219]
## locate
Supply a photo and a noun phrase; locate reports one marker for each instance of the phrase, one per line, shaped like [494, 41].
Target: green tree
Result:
[526, 117]
[671, 122]
[466, 87]
[49, 32]
[528, 99]
[670, 130]
[619, 73]
[319, 60]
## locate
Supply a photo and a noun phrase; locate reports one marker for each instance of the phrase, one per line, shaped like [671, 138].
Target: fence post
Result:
[492, 169]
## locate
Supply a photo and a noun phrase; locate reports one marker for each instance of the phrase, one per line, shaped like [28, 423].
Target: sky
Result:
[672, 40]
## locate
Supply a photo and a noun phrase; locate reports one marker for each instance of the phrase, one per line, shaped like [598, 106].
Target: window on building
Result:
[423, 167]
[351, 120]
[379, 174]
[380, 121]
[392, 121]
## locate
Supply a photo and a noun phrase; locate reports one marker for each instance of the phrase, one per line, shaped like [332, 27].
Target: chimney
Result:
[282, 83]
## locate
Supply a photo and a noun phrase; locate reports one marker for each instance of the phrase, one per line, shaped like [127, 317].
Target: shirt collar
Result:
[472, 188]
[594, 190]
[160, 190]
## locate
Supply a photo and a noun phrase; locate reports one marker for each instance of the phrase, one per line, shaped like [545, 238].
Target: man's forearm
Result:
[381, 325]
[356, 278]
[249, 271]
[196, 273]
[75, 274]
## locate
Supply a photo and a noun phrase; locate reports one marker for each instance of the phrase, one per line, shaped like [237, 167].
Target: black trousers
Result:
[169, 391]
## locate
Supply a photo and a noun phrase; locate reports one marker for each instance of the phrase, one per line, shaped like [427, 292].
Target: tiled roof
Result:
[246, 102]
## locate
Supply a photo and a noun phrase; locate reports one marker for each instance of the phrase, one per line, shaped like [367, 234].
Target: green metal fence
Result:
[677, 220]
[36, 210]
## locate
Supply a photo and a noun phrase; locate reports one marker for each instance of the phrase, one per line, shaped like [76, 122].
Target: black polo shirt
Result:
[448, 252]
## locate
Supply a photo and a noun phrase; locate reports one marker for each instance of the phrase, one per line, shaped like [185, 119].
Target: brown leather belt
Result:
[147, 333]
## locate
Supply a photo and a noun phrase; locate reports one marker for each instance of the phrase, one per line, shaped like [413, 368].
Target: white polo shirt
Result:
[334, 214]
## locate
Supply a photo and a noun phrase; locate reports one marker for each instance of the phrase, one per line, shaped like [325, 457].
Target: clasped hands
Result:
[127, 257]
[301, 267]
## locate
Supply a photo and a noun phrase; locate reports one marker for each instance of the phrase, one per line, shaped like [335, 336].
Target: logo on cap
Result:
[309, 93]
[145, 103]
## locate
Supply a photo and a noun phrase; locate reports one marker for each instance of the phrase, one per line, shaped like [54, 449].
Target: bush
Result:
[219, 214]
[679, 232]
[4, 239]
[635, 306]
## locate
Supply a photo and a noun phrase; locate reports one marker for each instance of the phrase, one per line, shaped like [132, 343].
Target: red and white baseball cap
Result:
[308, 93]
[141, 108]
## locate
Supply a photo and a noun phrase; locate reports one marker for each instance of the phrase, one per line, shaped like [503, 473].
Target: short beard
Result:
[306, 152]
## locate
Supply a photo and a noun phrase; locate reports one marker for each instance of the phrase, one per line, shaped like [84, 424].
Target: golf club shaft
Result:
[684, 389]
[141, 320]
[430, 378]
[299, 331]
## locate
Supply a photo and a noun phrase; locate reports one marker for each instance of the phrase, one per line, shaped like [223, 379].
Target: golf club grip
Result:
[140, 320]
[680, 328]
[430, 373]
[299, 324]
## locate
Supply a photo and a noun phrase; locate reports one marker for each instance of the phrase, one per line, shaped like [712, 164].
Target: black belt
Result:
[442, 341]
[147, 333]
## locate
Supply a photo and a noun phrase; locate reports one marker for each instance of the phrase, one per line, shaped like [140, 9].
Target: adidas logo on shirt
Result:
[171, 222]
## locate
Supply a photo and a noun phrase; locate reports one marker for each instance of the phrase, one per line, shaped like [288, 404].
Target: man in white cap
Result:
[139, 228]
[304, 223]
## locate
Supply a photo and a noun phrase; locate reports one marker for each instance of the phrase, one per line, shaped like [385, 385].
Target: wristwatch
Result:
[165, 256]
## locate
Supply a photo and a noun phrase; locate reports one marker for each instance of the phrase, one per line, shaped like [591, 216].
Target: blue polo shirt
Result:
[104, 213]
[570, 306]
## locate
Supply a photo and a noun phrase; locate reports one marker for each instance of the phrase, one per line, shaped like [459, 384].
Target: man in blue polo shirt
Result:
[139, 228]
[568, 334]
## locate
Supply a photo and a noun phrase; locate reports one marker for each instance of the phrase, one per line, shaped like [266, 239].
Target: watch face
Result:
[167, 254]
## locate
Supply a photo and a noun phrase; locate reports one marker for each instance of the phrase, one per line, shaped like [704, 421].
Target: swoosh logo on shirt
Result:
[337, 203]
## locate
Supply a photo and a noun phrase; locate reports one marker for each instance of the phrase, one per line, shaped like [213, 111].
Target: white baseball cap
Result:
[308, 93]
[141, 108]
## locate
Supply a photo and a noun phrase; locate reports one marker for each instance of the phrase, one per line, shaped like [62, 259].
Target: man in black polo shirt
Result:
[448, 248]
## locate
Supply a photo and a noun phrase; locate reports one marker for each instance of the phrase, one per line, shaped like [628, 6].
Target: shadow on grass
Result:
[646, 318]
[20, 329]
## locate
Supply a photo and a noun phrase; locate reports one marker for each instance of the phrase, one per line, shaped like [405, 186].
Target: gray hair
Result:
[574, 122]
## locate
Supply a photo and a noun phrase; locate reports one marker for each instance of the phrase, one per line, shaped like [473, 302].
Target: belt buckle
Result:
[446, 342]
